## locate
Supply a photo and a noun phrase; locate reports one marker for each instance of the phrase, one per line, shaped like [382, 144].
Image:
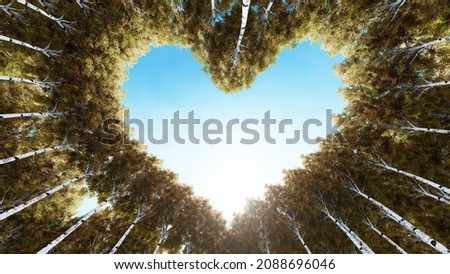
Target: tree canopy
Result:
[379, 184]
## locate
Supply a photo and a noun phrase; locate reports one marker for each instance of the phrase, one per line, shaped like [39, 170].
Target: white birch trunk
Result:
[125, 235]
[415, 177]
[245, 12]
[34, 153]
[440, 116]
[428, 85]
[47, 52]
[42, 196]
[431, 85]
[420, 129]
[83, 4]
[395, 7]
[46, 4]
[356, 240]
[13, 12]
[163, 237]
[86, 217]
[135, 8]
[300, 238]
[427, 45]
[177, 6]
[213, 11]
[79, 3]
[293, 226]
[188, 247]
[7, 8]
[33, 115]
[407, 225]
[266, 246]
[389, 240]
[42, 84]
[267, 12]
[426, 193]
[62, 23]
[264, 236]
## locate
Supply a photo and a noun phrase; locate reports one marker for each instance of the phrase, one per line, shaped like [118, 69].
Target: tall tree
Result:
[33, 115]
[407, 225]
[42, 196]
[290, 218]
[126, 233]
[46, 51]
[384, 236]
[237, 50]
[36, 152]
[62, 23]
[357, 241]
[86, 217]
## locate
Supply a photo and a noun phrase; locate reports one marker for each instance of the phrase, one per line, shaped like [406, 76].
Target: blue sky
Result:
[301, 85]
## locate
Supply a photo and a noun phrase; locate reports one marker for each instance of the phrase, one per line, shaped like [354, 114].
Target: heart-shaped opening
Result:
[378, 184]
[301, 86]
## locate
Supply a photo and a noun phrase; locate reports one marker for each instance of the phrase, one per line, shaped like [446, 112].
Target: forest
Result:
[379, 185]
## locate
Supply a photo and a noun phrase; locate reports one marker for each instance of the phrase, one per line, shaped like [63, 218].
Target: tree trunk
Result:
[432, 85]
[46, 4]
[415, 177]
[13, 12]
[188, 247]
[88, 215]
[376, 230]
[427, 45]
[245, 11]
[267, 12]
[420, 129]
[426, 86]
[163, 237]
[46, 51]
[136, 8]
[42, 84]
[395, 8]
[293, 226]
[213, 11]
[446, 117]
[33, 115]
[356, 240]
[42, 196]
[264, 236]
[426, 193]
[62, 23]
[177, 6]
[33, 153]
[84, 5]
[125, 235]
[300, 238]
[407, 225]
[79, 3]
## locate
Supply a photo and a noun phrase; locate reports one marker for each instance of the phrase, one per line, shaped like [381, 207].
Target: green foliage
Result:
[382, 73]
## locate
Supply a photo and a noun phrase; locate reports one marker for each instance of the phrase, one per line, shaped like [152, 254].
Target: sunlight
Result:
[228, 175]
[87, 205]
[256, 127]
